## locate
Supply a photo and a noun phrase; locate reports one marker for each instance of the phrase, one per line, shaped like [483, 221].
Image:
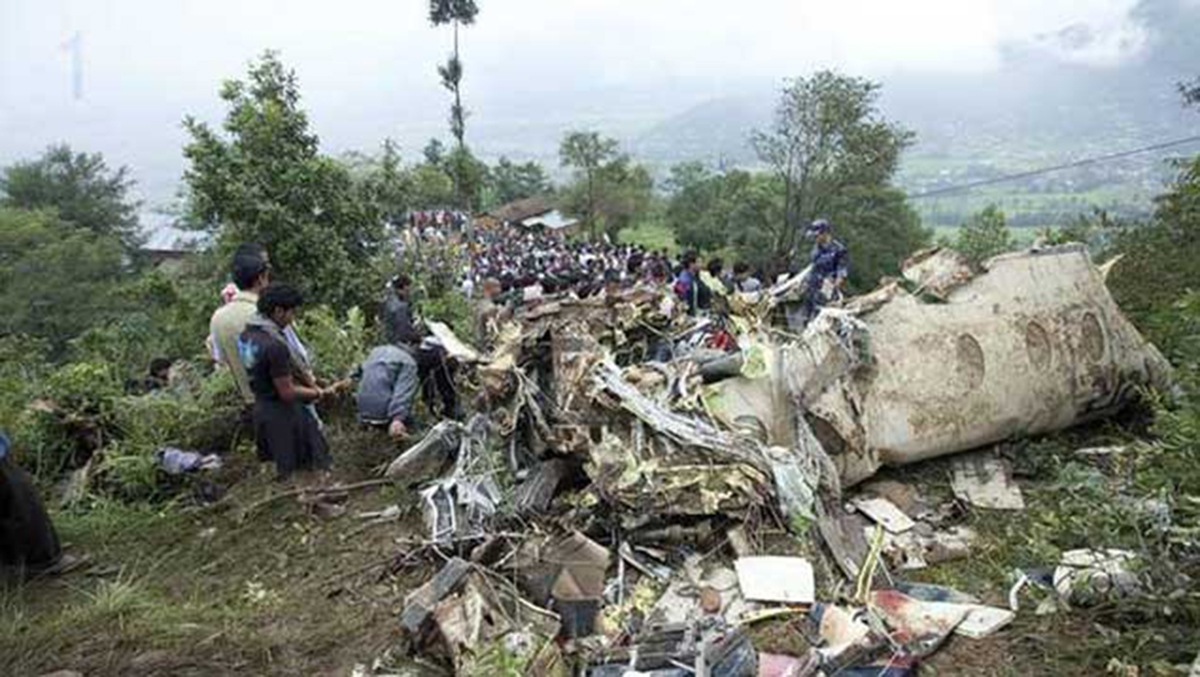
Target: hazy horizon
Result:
[367, 69]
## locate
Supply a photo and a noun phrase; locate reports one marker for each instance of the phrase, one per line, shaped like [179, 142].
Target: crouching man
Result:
[387, 389]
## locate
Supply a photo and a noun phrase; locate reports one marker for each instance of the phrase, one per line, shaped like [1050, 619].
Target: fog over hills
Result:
[1069, 90]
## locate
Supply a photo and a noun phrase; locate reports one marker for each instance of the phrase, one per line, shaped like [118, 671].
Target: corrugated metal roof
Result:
[553, 219]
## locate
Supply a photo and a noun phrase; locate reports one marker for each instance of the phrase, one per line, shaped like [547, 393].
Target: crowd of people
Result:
[253, 336]
[530, 265]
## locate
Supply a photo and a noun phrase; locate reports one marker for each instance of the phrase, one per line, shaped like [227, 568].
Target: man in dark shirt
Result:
[399, 329]
[436, 374]
[687, 284]
[283, 429]
[830, 266]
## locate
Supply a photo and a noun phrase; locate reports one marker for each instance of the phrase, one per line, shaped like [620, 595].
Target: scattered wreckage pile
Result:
[601, 511]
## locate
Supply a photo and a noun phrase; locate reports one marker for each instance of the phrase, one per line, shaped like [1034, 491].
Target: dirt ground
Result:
[231, 588]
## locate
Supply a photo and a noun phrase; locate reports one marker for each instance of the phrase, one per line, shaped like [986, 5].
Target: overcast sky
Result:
[367, 68]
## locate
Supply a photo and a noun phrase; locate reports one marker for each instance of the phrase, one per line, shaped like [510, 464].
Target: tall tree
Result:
[702, 205]
[512, 181]
[1158, 268]
[827, 138]
[456, 13]
[56, 279]
[587, 153]
[471, 177]
[626, 192]
[434, 152]
[81, 187]
[385, 181]
[265, 180]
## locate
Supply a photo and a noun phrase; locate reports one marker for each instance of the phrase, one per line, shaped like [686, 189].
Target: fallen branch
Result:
[319, 491]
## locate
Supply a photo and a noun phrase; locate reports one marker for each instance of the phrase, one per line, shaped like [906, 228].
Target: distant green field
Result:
[657, 235]
[652, 235]
[1023, 236]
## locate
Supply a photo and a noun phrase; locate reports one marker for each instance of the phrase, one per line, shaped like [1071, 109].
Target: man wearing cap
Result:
[830, 264]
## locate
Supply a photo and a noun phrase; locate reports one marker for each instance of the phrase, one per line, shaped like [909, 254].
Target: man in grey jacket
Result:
[387, 389]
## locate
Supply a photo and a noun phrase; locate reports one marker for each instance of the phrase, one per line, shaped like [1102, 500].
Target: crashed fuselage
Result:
[1033, 345]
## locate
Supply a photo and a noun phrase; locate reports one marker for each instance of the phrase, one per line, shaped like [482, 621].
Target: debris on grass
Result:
[984, 480]
[622, 452]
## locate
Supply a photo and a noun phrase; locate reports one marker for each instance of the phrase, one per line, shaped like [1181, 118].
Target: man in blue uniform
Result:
[830, 266]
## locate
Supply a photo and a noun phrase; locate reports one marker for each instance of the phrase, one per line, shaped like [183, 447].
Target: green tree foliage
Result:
[434, 153]
[1190, 91]
[758, 207]
[880, 229]
[471, 175]
[985, 235]
[337, 345]
[384, 180]
[265, 181]
[56, 279]
[161, 316]
[395, 188]
[432, 187]
[24, 363]
[512, 181]
[456, 13]
[705, 208]
[586, 153]
[1155, 281]
[618, 194]
[828, 138]
[81, 187]
[1159, 261]
[736, 209]
[600, 171]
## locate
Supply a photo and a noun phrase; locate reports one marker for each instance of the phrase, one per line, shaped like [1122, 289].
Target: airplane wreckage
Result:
[623, 421]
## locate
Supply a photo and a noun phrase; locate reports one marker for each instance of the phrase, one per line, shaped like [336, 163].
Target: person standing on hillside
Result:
[830, 265]
[251, 275]
[743, 280]
[283, 429]
[687, 284]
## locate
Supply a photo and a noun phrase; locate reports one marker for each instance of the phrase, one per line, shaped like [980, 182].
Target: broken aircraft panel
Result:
[1033, 345]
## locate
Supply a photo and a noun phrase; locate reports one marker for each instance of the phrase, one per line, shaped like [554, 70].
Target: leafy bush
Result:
[168, 318]
[129, 471]
[69, 418]
[453, 309]
[1173, 460]
[180, 416]
[985, 235]
[22, 367]
[85, 389]
[337, 346]
[197, 417]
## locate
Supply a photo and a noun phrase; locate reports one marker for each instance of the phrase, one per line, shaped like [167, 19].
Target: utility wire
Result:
[1055, 168]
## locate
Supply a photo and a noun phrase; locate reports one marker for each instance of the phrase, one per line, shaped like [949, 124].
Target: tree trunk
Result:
[591, 204]
[781, 241]
[460, 131]
[459, 128]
